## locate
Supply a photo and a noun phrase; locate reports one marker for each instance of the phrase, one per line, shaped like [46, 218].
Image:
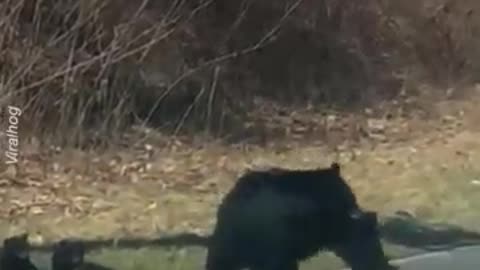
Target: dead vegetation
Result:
[292, 83]
[155, 190]
[85, 71]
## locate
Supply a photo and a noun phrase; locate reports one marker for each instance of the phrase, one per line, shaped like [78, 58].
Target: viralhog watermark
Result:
[11, 153]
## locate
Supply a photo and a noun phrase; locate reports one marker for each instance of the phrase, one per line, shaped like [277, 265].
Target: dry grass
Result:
[146, 192]
[88, 70]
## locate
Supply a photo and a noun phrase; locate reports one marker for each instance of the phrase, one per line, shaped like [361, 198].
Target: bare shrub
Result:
[71, 65]
[439, 36]
[88, 69]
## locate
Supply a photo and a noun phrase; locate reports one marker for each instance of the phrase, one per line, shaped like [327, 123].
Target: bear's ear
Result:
[23, 237]
[335, 167]
[62, 243]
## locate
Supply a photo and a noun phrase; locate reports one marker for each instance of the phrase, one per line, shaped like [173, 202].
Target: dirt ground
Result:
[428, 167]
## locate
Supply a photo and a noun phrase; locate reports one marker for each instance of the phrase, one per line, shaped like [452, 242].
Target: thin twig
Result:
[187, 112]
[211, 97]
[238, 21]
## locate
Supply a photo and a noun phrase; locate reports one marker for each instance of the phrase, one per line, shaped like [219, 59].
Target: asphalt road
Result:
[464, 258]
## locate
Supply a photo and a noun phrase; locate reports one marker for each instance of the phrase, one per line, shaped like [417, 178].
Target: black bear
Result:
[274, 219]
[68, 254]
[16, 254]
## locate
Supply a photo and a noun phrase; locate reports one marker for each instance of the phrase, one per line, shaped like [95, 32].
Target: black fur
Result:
[15, 254]
[68, 254]
[273, 219]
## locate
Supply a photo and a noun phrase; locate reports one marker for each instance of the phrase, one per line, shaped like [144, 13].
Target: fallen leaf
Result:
[134, 178]
[222, 161]
[152, 206]
[11, 171]
[4, 182]
[148, 167]
[37, 210]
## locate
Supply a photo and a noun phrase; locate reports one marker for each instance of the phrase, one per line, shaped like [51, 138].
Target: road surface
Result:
[464, 258]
